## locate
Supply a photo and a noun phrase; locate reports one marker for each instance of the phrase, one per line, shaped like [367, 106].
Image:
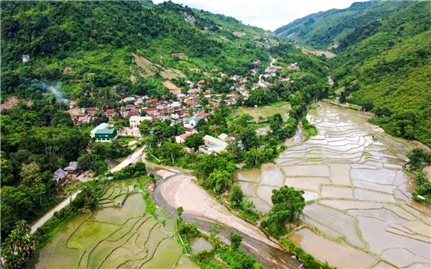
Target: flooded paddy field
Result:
[359, 209]
[116, 237]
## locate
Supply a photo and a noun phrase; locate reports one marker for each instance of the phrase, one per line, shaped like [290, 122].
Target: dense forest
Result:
[383, 60]
[95, 40]
[323, 29]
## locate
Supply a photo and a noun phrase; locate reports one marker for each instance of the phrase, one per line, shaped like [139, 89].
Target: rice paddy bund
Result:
[116, 236]
[359, 211]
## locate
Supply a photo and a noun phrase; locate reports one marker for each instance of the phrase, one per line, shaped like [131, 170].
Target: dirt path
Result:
[131, 159]
[179, 190]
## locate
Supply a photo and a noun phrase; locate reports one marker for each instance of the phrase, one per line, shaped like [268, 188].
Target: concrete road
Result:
[135, 157]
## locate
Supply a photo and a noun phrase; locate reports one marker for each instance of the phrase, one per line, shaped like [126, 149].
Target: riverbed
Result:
[178, 189]
[359, 209]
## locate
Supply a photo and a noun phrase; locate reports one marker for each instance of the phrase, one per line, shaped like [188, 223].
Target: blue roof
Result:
[105, 131]
[196, 118]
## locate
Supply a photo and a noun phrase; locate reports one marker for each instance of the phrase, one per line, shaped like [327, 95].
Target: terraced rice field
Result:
[116, 237]
[359, 210]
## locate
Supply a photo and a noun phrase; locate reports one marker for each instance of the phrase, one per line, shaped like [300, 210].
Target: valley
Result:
[141, 134]
[358, 197]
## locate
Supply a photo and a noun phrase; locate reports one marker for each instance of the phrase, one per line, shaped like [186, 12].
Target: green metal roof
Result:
[105, 131]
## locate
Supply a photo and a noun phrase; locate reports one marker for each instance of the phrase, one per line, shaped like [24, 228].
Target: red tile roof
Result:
[133, 112]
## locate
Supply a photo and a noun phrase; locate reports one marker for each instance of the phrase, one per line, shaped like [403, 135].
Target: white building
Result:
[213, 144]
[135, 121]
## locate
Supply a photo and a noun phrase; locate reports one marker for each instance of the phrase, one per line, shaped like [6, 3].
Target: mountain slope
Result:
[99, 38]
[383, 60]
[324, 29]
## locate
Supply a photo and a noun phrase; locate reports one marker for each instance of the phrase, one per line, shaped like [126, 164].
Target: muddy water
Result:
[115, 237]
[359, 205]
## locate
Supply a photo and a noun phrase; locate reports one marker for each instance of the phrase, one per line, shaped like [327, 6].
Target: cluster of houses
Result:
[185, 108]
[61, 174]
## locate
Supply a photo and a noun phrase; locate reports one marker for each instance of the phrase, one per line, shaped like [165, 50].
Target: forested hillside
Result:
[95, 40]
[383, 61]
[323, 29]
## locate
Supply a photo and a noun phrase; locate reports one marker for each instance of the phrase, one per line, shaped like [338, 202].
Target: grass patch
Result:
[281, 108]
[315, 159]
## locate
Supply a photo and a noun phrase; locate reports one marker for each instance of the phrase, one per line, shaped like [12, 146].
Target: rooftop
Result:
[105, 131]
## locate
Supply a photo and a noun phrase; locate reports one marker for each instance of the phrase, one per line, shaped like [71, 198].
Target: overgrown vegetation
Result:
[288, 204]
[19, 247]
[418, 159]
[221, 255]
[36, 141]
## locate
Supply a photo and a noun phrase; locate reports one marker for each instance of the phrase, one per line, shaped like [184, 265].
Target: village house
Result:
[135, 121]
[214, 144]
[181, 96]
[82, 119]
[182, 138]
[231, 101]
[105, 135]
[152, 102]
[192, 91]
[175, 117]
[126, 131]
[90, 111]
[110, 112]
[293, 67]
[72, 168]
[133, 112]
[207, 93]
[191, 122]
[100, 126]
[128, 99]
[59, 175]
[139, 101]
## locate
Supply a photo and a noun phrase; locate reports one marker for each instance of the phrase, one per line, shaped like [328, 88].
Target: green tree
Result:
[140, 168]
[235, 241]
[6, 169]
[19, 247]
[219, 181]
[170, 152]
[249, 138]
[145, 127]
[30, 174]
[418, 157]
[194, 141]
[236, 196]
[288, 206]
